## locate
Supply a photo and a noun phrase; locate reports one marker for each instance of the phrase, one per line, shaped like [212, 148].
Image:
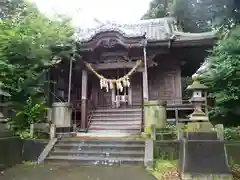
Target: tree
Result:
[223, 79]
[158, 9]
[202, 15]
[196, 15]
[28, 41]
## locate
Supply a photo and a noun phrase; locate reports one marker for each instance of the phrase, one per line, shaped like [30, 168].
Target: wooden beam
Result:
[116, 65]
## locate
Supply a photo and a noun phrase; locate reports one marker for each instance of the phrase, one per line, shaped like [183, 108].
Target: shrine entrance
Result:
[121, 97]
[116, 88]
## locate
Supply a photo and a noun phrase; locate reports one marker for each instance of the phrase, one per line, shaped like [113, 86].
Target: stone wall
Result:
[32, 149]
[170, 150]
[14, 150]
[4, 132]
[10, 151]
[167, 150]
[233, 149]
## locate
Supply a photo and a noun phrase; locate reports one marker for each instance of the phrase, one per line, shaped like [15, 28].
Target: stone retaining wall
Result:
[14, 150]
[170, 150]
[32, 149]
[10, 151]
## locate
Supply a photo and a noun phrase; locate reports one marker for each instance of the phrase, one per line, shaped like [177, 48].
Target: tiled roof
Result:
[155, 30]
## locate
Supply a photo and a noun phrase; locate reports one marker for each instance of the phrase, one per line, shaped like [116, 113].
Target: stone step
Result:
[109, 114]
[115, 127]
[100, 146]
[122, 118]
[101, 141]
[118, 110]
[125, 132]
[97, 151]
[110, 153]
[95, 160]
[108, 135]
[66, 134]
[114, 123]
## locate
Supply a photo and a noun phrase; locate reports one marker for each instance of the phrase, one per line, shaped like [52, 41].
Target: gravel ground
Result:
[73, 172]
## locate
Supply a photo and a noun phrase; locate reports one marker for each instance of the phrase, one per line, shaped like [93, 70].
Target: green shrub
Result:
[31, 112]
[232, 133]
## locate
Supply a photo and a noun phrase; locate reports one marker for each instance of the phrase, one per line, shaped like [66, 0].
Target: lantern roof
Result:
[197, 85]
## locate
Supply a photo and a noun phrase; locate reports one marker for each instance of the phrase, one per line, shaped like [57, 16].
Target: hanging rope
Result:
[112, 83]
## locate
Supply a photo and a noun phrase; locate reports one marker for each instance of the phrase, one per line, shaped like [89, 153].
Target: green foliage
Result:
[31, 113]
[223, 79]
[30, 43]
[186, 81]
[196, 15]
[167, 133]
[158, 9]
[232, 133]
[25, 134]
[162, 167]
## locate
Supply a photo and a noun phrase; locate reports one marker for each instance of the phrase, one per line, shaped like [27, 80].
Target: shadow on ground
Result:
[74, 172]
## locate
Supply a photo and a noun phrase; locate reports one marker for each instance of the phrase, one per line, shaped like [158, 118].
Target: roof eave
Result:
[194, 42]
[183, 42]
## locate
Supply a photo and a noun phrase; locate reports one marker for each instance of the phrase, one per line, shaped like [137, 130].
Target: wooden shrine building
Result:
[127, 64]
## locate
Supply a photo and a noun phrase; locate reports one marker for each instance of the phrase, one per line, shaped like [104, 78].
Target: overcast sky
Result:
[84, 11]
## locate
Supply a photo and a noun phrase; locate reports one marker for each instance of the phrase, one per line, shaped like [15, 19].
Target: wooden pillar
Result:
[84, 100]
[130, 95]
[145, 75]
[113, 97]
[145, 86]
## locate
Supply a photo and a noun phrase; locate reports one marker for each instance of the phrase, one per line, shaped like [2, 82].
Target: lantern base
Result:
[198, 115]
[203, 156]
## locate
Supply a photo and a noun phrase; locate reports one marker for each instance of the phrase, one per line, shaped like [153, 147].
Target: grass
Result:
[163, 168]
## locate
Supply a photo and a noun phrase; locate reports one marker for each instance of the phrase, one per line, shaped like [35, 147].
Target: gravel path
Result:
[73, 172]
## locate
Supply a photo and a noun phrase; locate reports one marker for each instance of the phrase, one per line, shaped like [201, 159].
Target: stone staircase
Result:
[97, 151]
[118, 120]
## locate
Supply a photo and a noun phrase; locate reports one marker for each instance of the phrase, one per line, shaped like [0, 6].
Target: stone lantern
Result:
[3, 128]
[198, 119]
[2, 93]
[202, 155]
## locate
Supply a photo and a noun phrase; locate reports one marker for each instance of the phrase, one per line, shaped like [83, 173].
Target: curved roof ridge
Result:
[155, 29]
[158, 29]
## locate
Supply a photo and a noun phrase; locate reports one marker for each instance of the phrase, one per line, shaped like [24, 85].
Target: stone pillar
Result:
[84, 100]
[154, 114]
[52, 131]
[220, 131]
[149, 154]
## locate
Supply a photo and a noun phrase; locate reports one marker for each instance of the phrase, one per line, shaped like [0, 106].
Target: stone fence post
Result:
[52, 131]
[220, 131]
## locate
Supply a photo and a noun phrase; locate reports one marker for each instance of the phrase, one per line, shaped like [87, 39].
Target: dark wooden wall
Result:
[164, 80]
[164, 83]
